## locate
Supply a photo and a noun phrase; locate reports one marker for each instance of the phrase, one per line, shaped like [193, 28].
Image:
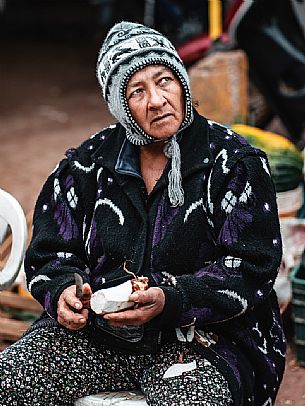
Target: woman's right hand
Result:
[72, 312]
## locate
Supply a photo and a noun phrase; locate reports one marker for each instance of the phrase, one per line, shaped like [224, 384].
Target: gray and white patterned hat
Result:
[128, 48]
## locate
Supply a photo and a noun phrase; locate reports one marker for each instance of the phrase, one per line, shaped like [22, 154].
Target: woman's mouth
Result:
[160, 118]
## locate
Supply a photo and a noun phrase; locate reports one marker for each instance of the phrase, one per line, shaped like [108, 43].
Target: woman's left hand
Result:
[149, 303]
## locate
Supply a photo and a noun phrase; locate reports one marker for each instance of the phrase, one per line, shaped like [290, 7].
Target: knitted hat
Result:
[128, 48]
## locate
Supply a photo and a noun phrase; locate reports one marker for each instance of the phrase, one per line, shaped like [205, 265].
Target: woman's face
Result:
[155, 99]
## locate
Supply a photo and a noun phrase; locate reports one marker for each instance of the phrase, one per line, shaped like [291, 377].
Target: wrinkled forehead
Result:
[150, 72]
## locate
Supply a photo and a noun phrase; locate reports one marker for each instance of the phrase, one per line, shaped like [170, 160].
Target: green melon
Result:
[285, 160]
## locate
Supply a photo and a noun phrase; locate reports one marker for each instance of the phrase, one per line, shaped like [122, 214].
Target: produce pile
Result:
[285, 160]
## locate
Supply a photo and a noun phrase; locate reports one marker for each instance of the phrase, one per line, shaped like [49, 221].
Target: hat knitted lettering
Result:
[128, 48]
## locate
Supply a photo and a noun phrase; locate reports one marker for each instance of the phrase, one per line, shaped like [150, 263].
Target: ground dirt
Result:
[50, 101]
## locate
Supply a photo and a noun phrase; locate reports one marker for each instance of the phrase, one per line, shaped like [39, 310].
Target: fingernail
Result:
[82, 320]
[77, 305]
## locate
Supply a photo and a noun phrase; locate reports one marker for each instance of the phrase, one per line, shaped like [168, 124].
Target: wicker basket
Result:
[298, 311]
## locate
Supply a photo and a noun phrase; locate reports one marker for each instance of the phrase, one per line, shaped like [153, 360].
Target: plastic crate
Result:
[298, 311]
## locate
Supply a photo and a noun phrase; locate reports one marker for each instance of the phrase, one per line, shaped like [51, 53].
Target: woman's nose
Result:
[156, 98]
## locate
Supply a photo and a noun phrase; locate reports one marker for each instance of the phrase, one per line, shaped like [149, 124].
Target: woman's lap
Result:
[54, 367]
[203, 386]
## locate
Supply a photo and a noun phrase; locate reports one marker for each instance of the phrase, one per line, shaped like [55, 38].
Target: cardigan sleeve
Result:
[243, 215]
[57, 250]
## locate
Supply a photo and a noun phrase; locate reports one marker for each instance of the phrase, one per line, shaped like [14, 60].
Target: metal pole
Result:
[215, 19]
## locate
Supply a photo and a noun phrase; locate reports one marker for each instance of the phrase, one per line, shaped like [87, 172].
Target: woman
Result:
[168, 195]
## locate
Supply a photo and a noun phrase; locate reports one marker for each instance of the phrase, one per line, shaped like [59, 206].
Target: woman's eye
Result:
[165, 80]
[135, 93]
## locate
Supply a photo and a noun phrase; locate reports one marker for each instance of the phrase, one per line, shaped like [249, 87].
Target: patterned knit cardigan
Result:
[216, 257]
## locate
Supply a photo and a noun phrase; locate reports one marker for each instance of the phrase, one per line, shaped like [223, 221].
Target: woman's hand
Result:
[149, 303]
[72, 312]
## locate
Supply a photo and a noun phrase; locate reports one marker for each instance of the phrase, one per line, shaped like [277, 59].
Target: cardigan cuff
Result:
[171, 314]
